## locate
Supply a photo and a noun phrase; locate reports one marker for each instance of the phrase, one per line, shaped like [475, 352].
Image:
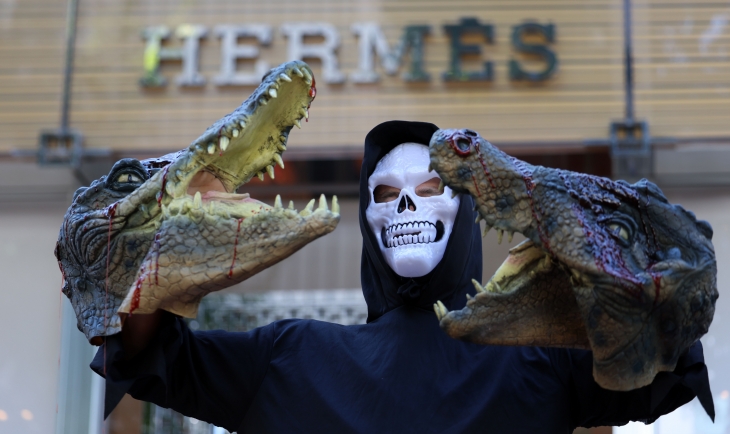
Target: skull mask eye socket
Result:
[126, 176]
[386, 193]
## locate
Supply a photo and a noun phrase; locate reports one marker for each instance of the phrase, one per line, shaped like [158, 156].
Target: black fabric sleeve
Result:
[594, 406]
[211, 376]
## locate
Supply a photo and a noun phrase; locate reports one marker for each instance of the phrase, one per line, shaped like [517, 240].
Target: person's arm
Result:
[138, 331]
[595, 406]
[211, 375]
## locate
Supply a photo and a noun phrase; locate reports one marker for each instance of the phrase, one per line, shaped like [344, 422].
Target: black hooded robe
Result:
[399, 373]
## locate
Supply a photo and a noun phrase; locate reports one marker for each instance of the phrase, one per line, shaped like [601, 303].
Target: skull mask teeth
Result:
[413, 228]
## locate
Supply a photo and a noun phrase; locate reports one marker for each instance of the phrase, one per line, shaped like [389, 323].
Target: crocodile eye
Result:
[126, 175]
[129, 178]
[619, 231]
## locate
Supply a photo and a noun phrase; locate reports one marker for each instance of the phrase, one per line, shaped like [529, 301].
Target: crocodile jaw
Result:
[631, 276]
[119, 248]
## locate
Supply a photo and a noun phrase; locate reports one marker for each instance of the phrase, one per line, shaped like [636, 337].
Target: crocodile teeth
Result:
[304, 113]
[298, 124]
[297, 71]
[279, 161]
[263, 101]
[478, 219]
[291, 204]
[486, 230]
[307, 209]
[211, 148]
[197, 200]
[478, 286]
[285, 77]
[224, 142]
[500, 233]
[440, 310]
[509, 236]
[242, 123]
[307, 77]
[322, 203]
[270, 171]
[277, 202]
[273, 93]
[430, 168]
[281, 146]
[335, 205]
[260, 175]
[453, 194]
[441, 186]
[235, 132]
[496, 285]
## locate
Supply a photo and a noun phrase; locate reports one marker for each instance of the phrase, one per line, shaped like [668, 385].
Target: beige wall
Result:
[30, 317]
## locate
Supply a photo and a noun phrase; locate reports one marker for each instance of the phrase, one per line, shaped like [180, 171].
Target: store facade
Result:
[558, 83]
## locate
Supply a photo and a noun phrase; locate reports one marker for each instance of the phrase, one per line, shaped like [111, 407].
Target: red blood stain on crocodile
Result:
[657, 278]
[607, 255]
[313, 90]
[235, 248]
[137, 293]
[473, 144]
[484, 165]
[594, 192]
[157, 258]
[111, 211]
[162, 189]
[530, 186]
[476, 186]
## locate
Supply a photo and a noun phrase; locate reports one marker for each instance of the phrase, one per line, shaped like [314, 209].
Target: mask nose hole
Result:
[406, 202]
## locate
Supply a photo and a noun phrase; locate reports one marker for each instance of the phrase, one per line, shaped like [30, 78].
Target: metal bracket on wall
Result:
[60, 147]
[65, 147]
[631, 154]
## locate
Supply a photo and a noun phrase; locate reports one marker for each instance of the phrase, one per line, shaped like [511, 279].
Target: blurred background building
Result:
[561, 83]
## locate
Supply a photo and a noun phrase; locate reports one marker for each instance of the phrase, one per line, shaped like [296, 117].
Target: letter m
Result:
[372, 41]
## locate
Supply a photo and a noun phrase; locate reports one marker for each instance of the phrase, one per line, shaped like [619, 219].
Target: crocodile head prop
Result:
[162, 233]
[607, 266]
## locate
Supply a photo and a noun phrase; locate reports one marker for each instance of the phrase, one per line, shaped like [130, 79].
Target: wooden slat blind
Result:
[681, 54]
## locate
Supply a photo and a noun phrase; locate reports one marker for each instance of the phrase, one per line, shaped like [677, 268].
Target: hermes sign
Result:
[372, 47]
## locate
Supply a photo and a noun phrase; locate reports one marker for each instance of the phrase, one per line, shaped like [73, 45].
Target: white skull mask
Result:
[412, 230]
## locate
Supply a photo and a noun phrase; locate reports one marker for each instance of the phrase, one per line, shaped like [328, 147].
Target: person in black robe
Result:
[398, 373]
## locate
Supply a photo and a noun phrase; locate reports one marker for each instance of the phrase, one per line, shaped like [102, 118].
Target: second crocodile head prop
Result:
[608, 266]
[175, 224]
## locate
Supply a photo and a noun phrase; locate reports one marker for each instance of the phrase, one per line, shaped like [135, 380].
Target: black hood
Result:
[450, 281]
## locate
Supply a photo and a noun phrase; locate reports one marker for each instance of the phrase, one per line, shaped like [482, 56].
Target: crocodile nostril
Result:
[463, 144]
[470, 133]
